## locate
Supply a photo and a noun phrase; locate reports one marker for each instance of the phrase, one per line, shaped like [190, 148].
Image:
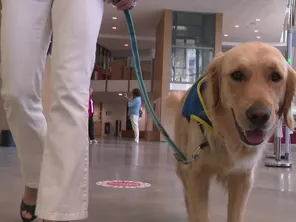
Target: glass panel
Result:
[190, 42]
[191, 33]
[208, 31]
[294, 110]
[188, 31]
[185, 42]
[178, 64]
[180, 42]
[205, 57]
[196, 26]
[189, 18]
[187, 64]
[191, 70]
[294, 107]
[183, 65]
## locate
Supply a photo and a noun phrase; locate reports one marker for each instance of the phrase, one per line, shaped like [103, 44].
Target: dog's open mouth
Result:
[250, 137]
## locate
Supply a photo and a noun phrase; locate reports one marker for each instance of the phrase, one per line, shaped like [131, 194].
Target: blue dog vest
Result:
[195, 107]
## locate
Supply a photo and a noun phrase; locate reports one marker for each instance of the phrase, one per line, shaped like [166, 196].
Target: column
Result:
[218, 33]
[163, 52]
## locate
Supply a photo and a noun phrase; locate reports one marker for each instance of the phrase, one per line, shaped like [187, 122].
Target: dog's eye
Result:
[275, 77]
[237, 76]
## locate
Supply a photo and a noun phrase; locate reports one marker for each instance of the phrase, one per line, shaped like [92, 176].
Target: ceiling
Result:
[235, 12]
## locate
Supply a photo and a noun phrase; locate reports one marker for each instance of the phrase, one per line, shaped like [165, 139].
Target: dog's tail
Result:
[173, 111]
[174, 99]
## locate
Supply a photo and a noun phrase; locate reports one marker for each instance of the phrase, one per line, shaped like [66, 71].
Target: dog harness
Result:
[194, 107]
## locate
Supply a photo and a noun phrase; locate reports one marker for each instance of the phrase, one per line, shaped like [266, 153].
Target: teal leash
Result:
[135, 51]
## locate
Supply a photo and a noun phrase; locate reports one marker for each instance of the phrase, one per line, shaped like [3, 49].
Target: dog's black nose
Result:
[258, 115]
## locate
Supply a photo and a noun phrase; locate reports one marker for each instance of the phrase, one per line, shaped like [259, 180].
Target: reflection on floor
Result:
[273, 198]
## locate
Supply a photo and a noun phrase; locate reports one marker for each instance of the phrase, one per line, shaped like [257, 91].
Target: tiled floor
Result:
[273, 198]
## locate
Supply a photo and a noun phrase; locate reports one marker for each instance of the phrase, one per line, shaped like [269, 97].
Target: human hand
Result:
[125, 4]
[125, 95]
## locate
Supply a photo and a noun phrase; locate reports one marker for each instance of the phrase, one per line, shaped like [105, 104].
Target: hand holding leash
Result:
[124, 4]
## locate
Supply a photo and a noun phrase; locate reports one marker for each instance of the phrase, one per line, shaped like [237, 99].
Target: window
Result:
[193, 47]
[187, 64]
[195, 26]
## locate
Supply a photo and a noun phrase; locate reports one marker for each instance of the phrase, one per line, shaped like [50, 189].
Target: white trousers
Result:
[135, 124]
[54, 154]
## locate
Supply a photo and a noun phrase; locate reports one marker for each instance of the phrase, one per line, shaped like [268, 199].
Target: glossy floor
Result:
[273, 198]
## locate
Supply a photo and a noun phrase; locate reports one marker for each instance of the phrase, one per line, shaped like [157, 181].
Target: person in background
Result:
[134, 111]
[53, 152]
[91, 118]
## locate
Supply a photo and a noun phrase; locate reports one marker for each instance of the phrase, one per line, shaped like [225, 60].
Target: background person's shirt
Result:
[134, 106]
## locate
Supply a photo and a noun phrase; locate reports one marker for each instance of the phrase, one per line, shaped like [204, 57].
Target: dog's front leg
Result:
[196, 183]
[239, 187]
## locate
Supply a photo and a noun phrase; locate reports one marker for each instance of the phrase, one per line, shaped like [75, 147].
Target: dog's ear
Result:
[289, 96]
[213, 73]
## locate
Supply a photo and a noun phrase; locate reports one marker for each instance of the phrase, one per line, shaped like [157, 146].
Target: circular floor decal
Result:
[123, 184]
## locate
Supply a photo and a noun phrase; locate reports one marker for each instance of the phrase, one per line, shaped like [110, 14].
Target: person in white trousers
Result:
[54, 154]
[134, 111]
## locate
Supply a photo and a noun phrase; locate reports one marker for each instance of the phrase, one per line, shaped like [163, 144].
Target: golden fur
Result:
[227, 158]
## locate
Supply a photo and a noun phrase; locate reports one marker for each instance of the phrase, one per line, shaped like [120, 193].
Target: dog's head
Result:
[254, 85]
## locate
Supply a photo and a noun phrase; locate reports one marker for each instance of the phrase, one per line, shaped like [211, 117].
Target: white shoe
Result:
[93, 142]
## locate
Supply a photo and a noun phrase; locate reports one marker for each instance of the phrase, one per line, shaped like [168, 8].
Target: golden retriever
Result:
[248, 88]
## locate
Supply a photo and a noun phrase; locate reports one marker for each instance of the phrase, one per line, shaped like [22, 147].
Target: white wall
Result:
[117, 111]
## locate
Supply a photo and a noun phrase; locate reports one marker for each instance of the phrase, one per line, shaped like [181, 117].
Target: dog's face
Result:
[256, 85]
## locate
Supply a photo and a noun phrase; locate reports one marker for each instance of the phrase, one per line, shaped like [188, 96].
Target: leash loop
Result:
[178, 154]
[135, 51]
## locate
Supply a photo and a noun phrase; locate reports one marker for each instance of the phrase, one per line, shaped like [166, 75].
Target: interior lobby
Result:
[177, 41]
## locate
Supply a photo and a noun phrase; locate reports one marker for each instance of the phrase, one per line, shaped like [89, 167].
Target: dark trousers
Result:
[91, 127]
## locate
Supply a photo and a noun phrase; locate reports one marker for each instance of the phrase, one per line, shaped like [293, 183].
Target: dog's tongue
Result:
[254, 136]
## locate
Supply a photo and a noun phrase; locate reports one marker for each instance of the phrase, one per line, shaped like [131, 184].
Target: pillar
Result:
[162, 69]
[218, 33]
[163, 49]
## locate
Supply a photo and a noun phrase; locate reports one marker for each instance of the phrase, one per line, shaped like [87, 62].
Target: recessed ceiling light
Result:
[114, 17]
[258, 37]
[257, 19]
[120, 94]
[256, 30]
[236, 26]
[113, 27]
[225, 35]
[113, 6]
[126, 45]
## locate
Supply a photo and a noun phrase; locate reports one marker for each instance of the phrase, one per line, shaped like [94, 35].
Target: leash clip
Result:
[193, 158]
[195, 155]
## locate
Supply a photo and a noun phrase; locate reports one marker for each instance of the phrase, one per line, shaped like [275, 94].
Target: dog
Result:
[245, 92]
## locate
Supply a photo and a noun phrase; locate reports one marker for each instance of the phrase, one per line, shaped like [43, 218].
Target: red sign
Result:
[123, 184]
